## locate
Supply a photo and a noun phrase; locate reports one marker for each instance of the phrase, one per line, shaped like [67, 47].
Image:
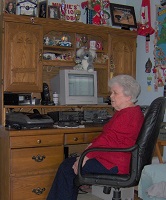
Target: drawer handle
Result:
[38, 158]
[75, 138]
[39, 141]
[38, 190]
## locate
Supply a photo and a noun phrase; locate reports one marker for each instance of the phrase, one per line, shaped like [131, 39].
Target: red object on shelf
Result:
[144, 27]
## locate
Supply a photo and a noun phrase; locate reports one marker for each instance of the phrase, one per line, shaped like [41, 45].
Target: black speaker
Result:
[45, 95]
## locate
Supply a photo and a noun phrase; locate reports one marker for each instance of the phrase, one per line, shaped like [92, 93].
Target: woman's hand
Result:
[88, 145]
[75, 166]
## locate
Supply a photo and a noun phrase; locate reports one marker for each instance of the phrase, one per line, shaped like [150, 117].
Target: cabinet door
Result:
[123, 55]
[23, 57]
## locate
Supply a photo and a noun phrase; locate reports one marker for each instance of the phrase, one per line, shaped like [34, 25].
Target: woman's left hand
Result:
[75, 166]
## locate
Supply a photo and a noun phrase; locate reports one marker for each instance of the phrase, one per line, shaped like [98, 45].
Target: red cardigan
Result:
[121, 131]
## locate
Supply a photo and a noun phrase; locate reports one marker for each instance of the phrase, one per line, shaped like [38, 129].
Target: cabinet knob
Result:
[38, 158]
[40, 55]
[75, 138]
[38, 190]
[39, 141]
[112, 67]
[32, 20]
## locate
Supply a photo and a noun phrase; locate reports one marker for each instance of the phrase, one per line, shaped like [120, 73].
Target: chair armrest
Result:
[130, 149]
[105, 179]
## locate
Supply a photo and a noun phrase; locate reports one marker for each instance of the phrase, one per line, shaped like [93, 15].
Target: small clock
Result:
[26, 7]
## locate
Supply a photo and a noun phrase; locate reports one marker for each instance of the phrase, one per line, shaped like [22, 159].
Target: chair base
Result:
[126, 193]
[106, 190]
[116, 195]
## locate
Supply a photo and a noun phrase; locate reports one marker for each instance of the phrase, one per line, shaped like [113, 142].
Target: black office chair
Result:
[142, 153]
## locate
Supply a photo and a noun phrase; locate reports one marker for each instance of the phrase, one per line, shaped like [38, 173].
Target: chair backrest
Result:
[149, 132]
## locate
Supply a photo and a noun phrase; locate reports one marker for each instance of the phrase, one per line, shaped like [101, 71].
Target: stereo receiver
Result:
[17, 98]
[66, 116]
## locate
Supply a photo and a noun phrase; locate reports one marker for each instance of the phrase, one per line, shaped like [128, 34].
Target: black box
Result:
[17, 99]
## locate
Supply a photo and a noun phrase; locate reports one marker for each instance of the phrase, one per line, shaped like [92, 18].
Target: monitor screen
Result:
[81, 85]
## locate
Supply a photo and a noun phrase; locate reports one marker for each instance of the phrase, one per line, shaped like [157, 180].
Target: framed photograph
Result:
[10, 6]
[163, 2]
[53, 12]
[42, 9]
[123, 16]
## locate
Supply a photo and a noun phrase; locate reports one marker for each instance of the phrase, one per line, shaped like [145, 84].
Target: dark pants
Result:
[63, 187]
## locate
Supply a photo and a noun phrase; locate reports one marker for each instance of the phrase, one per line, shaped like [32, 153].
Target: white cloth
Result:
[157, 190]
[151, 175]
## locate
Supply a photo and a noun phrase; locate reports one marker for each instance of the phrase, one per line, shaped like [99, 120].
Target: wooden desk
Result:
[159, 144]
[30, 158]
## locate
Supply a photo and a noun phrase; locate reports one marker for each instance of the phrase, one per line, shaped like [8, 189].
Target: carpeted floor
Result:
[89, 196]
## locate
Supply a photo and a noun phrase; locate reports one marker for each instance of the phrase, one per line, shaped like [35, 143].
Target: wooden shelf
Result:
[58, 106]
[45, 47]
[59, 63]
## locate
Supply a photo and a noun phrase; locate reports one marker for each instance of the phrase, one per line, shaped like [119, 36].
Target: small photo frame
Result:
[53, 12]
[10, 6]
[123, 16]
[42, 9]
[163, 2]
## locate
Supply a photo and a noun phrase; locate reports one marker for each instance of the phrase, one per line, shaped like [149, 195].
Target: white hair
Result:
[130, 86]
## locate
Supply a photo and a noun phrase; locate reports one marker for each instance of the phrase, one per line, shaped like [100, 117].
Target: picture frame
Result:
[123, 16]
[42, 7]
[163, 2]
[26, 7]
[53, 12]
[10, 6]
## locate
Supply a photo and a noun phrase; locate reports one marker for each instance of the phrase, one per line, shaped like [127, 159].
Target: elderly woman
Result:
[121, 132]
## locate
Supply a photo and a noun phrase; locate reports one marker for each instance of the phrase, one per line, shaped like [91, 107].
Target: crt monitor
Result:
[75, 87]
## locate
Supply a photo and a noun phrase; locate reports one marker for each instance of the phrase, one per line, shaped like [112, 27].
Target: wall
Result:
[146, 97]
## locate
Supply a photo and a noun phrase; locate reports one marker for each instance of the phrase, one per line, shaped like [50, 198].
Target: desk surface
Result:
[14, 132]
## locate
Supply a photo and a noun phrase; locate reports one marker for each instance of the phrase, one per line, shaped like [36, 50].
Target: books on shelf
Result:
[89, 16]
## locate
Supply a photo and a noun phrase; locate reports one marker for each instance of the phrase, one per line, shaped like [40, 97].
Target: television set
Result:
[75, 87]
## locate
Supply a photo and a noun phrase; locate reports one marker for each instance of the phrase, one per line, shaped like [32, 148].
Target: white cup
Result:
[55, 95]
[55, 100]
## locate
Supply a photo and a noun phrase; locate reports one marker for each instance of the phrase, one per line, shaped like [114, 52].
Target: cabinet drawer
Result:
[34, 160]
[90, 136]
[36, 140]
[74, 138]
[31, 187]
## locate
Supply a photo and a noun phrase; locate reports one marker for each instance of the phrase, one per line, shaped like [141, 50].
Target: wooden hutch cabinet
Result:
[29, 158]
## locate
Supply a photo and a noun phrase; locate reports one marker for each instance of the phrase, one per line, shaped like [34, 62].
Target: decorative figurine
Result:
[85, 59]
[77, 15]
[63, 10]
